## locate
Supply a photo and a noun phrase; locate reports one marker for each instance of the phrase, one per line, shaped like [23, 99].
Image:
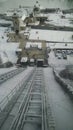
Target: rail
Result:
[33, 110]
[8, 75]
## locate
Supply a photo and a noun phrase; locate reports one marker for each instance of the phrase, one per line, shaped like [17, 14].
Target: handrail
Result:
[8, 75]
[7, 98]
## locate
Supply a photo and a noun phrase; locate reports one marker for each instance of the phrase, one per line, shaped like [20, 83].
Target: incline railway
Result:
[8, 75]
[27, 109]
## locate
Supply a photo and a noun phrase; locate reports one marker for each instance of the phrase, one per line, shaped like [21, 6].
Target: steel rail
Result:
[18, 119]
[34, 101]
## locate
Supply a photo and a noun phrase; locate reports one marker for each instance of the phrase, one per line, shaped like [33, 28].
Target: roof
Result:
[51, 35]
[31, 60]
[22, 24]
[23, 17]
[19, 50]
[24, 59]
[40, 59]
[63, 46]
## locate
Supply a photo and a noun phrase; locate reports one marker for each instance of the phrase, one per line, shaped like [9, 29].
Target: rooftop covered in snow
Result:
[63, 46]
[50, 35]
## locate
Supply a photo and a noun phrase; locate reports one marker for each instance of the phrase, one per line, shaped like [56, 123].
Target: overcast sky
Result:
[6, 4]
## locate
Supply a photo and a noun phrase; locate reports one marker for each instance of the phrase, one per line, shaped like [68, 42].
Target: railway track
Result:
[8, 75]
[28, 108]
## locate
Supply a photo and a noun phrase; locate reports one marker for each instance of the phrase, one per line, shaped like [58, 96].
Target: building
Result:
[36, 9]
[16, 23]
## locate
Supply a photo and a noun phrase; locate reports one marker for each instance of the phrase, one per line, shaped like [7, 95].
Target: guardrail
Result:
[8, 98]
[10, 74]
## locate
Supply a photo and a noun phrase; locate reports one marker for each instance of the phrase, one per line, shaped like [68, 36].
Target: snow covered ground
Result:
[50, 35]
[3, 34]
[8, 52]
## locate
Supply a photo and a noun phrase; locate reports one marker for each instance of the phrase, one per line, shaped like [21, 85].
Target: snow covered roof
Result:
[31, 60]
[23, 17]
[63, 46]
[9, 13]
[22, 24]
[50, 35]
[19, 50]
[33, 45]
[41, 15]
[34, 23]
[24, 59]
[40, 59]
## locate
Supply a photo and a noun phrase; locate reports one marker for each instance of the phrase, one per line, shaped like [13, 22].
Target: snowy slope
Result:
[7, 49]
[55, 19]
[8, 52]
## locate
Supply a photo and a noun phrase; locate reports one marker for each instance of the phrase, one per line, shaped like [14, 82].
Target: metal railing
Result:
[8, 75]
[6, 99]
[35, 95]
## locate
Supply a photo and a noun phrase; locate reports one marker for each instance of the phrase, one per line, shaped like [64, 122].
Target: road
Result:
[61, 105]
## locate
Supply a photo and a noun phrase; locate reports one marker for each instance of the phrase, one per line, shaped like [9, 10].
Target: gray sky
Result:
[6, 4]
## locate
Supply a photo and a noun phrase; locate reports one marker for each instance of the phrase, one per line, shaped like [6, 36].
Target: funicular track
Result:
[27, 109]
[8, 75]
[32, 114]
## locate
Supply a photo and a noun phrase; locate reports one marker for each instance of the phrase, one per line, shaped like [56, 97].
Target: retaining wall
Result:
[67, 87]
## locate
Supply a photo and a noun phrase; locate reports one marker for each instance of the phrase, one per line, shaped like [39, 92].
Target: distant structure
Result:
[36, 9]
[16, 23]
